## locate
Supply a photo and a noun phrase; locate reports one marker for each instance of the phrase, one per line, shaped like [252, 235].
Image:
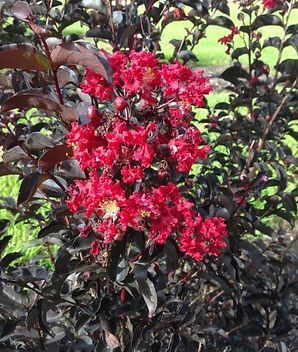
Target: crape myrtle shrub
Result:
[137, 232]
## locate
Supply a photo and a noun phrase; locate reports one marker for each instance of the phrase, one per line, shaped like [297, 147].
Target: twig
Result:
[270, 123]
[54, 70]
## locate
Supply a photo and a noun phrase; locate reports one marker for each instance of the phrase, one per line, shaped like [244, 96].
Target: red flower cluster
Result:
[227, 40]
[130, 152]
[269, 4]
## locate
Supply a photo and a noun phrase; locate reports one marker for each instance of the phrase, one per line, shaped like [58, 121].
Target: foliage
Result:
[137, 295]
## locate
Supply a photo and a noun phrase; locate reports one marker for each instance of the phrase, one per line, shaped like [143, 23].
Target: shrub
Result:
[106, 162]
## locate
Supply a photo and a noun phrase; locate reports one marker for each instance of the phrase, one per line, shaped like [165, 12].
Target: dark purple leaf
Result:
[9, 258]
[79, 54]
[22, 10]
[146, 287]
[24, 57]
[14, 154]
[54, 156]
[35, 98]
[3, 243]
[4, 225]
[30, 185]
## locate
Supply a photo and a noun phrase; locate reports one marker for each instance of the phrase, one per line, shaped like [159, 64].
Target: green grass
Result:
[21, 232]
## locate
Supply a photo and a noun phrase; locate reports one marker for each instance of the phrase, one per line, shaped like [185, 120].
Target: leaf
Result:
[79, 54]
[35, 98]
[52, 228]
[290, 202]
[239, 52]
[266, 20]
[3, 243]
[98, 32]
[24, 57]
[8, 328]
[111, 340]
[37, 141]
[30, 185]
[54, 156]
[42, 307]
[221, 21]
[261, 298]
[39, 30]
[286, 216]
[9, 258]
[31, 98]
[115, 256]
[223, 7]
[282, 347]
[232, 74]
[22, 10]
[272, 41]
[4, 223]
[288, 67]
[292, 29]
[146, 287]
[258, 225]
[293, 41]
[218, 281]
[14, 154]
[71, 168]
[171, 251]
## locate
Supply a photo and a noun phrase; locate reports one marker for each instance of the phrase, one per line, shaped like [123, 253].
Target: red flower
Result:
[145, 139]
[181, 83]
[225, 39]
[269, 4]
[95, 249]
[185, 150]
[131, 174]
[203, 236]
[109, 231]
[229, 38]
[95, 84]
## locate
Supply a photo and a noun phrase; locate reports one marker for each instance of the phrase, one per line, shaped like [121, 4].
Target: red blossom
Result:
[270, 4]
[227, 39]
[95, 84]
[131, 174]
[148, 136]
[185, 149]
[95, 249]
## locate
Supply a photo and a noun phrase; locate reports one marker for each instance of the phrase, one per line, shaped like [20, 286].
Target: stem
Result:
[270, 123]
[54, 70]
[250, 70]
[114, 37]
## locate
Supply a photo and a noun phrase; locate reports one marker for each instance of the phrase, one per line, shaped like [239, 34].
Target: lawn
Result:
[209, 52]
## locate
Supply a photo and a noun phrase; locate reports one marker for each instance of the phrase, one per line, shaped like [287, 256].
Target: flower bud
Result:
[120, 103]
[92, 112]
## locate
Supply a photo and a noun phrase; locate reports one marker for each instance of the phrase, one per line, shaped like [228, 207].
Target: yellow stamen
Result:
[145, 213]
[110, 208]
